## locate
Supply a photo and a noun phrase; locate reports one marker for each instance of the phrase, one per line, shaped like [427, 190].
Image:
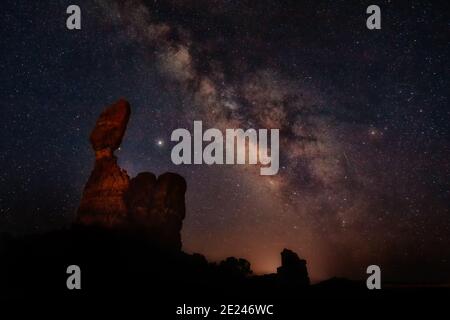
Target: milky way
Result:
[363, 118]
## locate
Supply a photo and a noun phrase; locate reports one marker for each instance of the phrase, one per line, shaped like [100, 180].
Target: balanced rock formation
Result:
[153, 206]
[293, 270]
[103, 197]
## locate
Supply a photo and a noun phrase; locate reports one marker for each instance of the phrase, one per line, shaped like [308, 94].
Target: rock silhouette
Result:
[138, 197]
[156, 206]
[293, 269]
[111, 199]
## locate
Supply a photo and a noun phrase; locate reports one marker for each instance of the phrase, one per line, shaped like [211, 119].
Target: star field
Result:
[363, 118]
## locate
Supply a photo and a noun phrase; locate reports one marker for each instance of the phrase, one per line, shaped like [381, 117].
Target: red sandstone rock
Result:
[103, 196]
[168, 208]
[145, 204]
[110, 127]
[139, 197]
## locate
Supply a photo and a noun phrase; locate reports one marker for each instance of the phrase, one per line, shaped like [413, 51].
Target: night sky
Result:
[363, 115]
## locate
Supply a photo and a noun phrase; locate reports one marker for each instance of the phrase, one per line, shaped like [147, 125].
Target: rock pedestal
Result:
[103, 196]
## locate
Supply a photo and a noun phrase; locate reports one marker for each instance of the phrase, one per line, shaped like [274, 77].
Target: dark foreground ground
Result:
[121, 269]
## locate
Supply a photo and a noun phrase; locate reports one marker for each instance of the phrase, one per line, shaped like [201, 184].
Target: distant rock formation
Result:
[293, 269]
[110, 199]
[235, 267]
